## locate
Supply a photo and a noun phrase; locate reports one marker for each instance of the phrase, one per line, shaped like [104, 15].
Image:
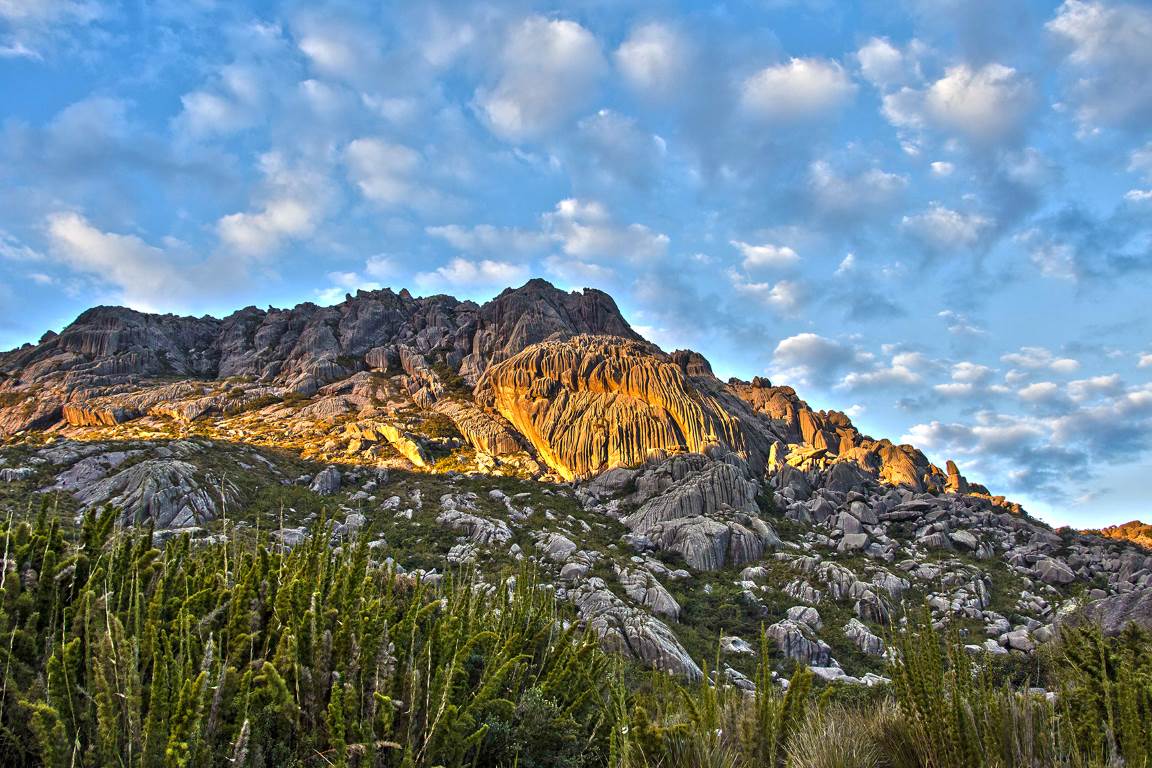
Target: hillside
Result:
[668, 510]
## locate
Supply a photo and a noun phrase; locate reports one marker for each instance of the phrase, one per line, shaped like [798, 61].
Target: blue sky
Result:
[934, 214]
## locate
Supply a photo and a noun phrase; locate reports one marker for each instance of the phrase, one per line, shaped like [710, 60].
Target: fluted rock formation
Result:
[589, 403]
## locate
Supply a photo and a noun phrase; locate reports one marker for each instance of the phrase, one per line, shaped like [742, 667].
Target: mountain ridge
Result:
[540, 425]
[115, 347]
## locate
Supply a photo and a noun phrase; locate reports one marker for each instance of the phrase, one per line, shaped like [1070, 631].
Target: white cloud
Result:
[29, 25]
[942, 168]
[1040, 391]
[784, 296]
[802, 89]
[295, 201]
[1052, 257]
[653, 60]
[1141, 161]
[1098, 386]
[904, 108]
[1034, 358]
[388, 174]
[586, 231]
[376, 268]
[1138, 195]
[971, 373]
[847, 265]
[852, 194]
[766, 255]
[959, 324]
[549, 70]
[808, 358]
[986, 105]
[1145, 361]
[13, 249]
[145, 275]
[487, 239]
[944, 229]
[231, 104]
[619, 148]
[900, 372]
[338, 51]
[470, 274]
[885, 66]
[1110, 56]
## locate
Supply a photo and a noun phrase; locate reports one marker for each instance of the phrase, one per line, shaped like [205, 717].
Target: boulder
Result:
[326, 482]
[863, 638]
[630, 631]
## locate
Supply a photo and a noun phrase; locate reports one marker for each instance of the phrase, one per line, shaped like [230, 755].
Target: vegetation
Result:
[115, 650]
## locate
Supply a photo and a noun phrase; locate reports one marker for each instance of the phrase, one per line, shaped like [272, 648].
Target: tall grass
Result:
[116, 651]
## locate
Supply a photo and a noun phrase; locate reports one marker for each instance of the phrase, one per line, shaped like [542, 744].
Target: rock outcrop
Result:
[590, 403]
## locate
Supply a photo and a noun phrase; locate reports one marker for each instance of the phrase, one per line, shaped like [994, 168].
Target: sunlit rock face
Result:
[590, 403]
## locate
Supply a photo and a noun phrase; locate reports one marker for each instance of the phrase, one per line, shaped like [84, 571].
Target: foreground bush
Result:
[117, 652]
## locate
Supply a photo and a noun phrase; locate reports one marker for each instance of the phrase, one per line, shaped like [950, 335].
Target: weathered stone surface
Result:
[631, 631]
[326, 482]
[1052, 571]
[590, 403]
[1118, 611]
[642, 587]
[792, 640]
[484, 431]
[459, 512]
[863, 638]
[169, 492]
[720, 486]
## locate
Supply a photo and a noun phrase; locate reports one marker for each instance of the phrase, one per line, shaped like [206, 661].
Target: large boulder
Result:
[631, 631]
[168, 492]
[1116, 612]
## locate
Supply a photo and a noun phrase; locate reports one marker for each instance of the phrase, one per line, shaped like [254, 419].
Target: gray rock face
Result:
[302, 349]
[709, 516]
[169, 492]
[792, 639]
[459, 513]
[1116, 612]
[631, 631]
[863, 638]
[326, 482]
[89, 470]
[1052, 571]
[643, 588]
[556, 547]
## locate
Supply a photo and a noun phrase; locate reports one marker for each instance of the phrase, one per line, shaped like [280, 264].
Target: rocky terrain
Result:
[671, 510]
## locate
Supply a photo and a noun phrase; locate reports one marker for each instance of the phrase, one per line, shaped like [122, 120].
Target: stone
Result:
[852, 542]
[964, 539]
[863, 638]
[1052, 571]
[630, 631]
[806, 615]
[557, 392]
[171, 493]
[326, 482]
[556, 547]
[736, 646]
[792, 640]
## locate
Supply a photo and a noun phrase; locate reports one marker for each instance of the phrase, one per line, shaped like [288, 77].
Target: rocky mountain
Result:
[1133, 531]
[671, 509]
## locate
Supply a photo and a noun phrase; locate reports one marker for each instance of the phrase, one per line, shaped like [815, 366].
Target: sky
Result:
[935, 215]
